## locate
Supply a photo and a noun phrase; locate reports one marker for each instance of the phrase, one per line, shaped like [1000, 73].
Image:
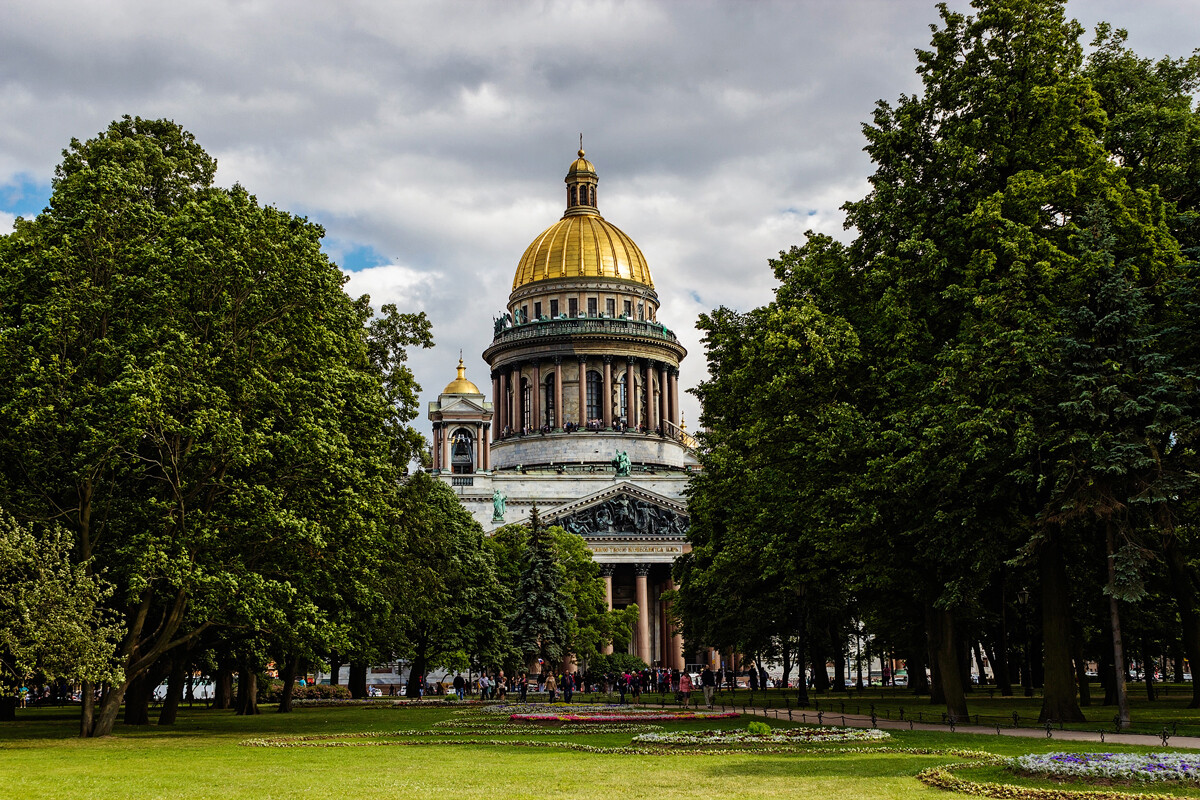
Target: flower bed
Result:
[776, 736]
[1142, 767]
[680, 716]
[509, 709]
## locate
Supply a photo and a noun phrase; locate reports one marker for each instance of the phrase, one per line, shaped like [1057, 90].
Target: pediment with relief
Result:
[623, 511]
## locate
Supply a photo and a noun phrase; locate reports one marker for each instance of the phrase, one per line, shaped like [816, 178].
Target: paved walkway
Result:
[862, 721]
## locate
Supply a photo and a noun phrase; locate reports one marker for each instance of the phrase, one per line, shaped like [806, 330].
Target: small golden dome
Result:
[581, 165]
[582, 244]
[461, 385]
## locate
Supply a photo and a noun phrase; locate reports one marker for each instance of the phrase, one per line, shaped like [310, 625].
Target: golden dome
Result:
[581, 165]
[582, 244]
[461, 385]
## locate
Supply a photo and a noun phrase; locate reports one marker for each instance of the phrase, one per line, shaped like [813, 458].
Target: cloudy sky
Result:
[431, 138]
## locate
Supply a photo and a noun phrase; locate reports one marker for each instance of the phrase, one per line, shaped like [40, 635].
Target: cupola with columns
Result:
[580, 348]
[461, 426]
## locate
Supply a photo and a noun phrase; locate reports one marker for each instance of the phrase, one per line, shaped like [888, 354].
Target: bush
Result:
[616, 662]
[758, 728]
[321, 691]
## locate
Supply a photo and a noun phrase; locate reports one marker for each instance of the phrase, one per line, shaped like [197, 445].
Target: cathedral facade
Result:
[584, 419]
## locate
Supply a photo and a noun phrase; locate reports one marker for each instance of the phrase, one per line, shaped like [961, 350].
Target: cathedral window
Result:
[548, 415]
[623, 398]
[593, 192]
[629, 309]
[537, 310]
[526, 409]
[570, 196]
[573, 307]
[610, 307]
[553, 309]
[595, 390]
[591, 306]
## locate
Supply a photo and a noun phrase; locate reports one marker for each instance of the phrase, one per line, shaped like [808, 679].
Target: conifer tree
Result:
[539, 622]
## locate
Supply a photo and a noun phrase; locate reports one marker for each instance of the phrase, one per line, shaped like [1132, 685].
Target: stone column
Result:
[675, 395]
[643, 602]
[558, 397]
[437, 447]
[606, 571]
[662, 395]
[445, 448]
[606, 399]
[582, 421]
[675, 650]
[501, 405]
[629, 393]
[479, 446]
[651, 403]
[496, 395]
[514, 408]
[535, 395]
[648, 391]
[487, 447]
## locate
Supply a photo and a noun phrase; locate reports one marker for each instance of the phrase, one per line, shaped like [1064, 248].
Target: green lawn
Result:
[201, 757]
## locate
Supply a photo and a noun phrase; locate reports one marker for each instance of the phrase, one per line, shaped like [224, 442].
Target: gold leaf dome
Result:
[582, 244]
[461, 385]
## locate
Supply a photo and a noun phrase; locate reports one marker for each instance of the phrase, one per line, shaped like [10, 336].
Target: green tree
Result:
[540, 621]
[53, 621]
[187, 390]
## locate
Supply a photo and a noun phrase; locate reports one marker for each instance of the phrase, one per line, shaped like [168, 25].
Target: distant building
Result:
[585, 417]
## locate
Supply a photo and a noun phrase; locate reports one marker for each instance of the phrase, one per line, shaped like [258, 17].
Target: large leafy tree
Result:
[188, 391]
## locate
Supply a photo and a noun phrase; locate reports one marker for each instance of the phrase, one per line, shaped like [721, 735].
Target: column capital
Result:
[643, 570]
[606, 570]
[608, 359]
[557, 360]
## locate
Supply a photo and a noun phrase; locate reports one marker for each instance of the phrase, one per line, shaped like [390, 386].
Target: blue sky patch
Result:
[24, 196]
[353, 257]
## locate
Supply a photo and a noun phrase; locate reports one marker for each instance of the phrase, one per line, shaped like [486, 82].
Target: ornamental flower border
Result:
[943, 777]
[564, 708]
[656, 717]
[1136, 767]
[777, 736]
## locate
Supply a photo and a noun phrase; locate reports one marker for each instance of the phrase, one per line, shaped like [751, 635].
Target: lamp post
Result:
[1027, 663]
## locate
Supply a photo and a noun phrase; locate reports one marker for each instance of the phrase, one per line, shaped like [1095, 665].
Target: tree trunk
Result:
[335, 669]
[1081, 676]
[170, 707]
[1002, 659]
[288, 676]
[1148, 671]
[979, 665]
[8, 708]
[1183, 586]
[223, 687]
[137, 700]
[1114, 613]
[946, 652]
[839, 659]
[1107, 679]
[1058, 700]
[247, 693]
[917, 667]
[87, 708]
[358, 679]
[801, 684]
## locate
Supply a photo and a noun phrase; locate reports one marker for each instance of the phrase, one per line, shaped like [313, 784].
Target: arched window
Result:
[593, 194]
[595, 388]
[462, 452]
[570, 196]
[623, 398]
[526, 408]
[548, 414]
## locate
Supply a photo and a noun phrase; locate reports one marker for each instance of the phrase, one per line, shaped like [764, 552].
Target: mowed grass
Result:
[201, 757]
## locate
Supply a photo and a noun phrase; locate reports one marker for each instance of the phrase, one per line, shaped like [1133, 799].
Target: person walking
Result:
[523, 686]
[708, 682]
[551, 686]
[685, 687]
[568, 686]
[459, 685]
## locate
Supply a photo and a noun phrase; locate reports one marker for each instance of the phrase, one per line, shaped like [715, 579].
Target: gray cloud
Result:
[437, 134]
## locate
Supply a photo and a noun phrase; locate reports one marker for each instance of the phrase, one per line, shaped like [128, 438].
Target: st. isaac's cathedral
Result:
[584, 419]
